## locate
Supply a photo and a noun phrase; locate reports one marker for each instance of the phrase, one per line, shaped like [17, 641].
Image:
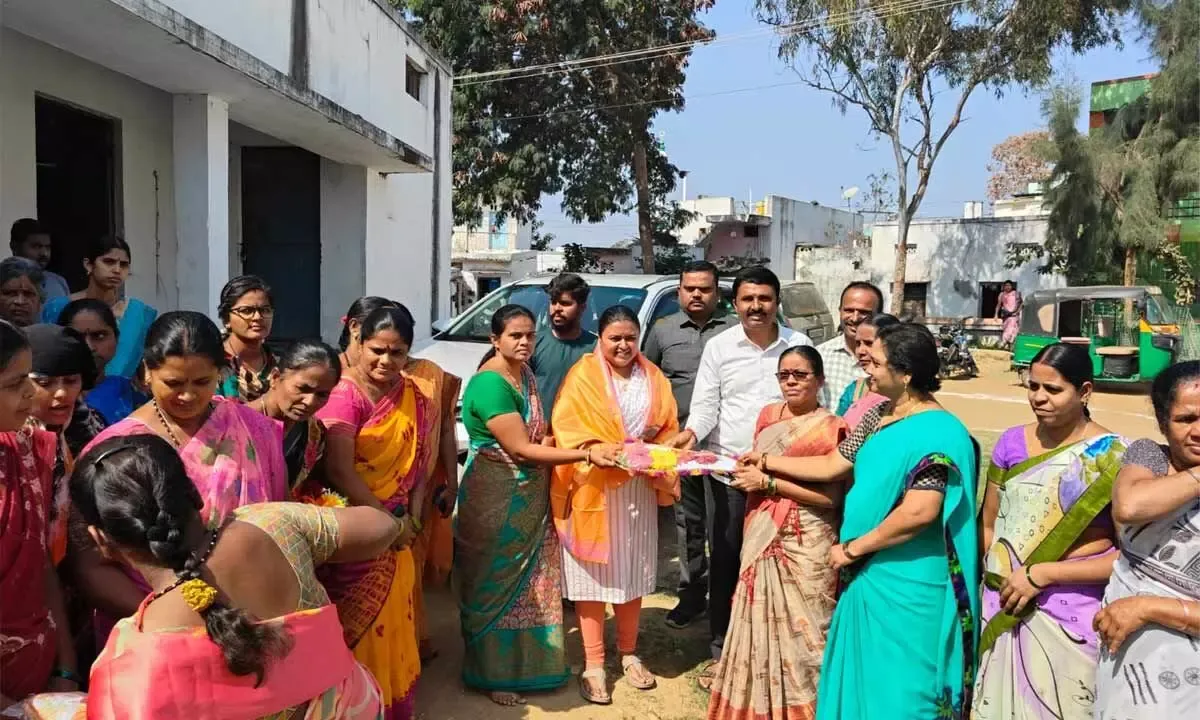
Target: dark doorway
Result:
[76, 182]
[281, 234]
[915, 299]
[989, 298]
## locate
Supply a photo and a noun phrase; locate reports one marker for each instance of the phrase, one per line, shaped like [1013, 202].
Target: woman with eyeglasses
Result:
[107, 264]
[247, 313]
[785, 595]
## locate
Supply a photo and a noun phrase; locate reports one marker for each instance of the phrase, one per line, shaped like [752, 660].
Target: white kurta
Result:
[632, 565]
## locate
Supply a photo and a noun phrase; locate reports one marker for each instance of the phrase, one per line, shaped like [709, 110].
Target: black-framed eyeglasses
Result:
[800, 375]
[247, 312]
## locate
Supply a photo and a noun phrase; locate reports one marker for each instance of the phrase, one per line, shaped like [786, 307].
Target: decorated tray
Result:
[652, 459]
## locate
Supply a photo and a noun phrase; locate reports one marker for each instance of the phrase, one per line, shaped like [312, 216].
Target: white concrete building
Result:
[773, 228]
[485, 253]
[956, 265]
[307, 141]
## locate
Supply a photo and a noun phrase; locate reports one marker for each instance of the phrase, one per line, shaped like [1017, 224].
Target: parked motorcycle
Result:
[954, 352]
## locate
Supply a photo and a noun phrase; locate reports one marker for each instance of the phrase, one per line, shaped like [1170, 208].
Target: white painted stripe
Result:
[1023, 401]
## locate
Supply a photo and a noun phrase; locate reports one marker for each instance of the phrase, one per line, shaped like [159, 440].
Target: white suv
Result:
[461, 343]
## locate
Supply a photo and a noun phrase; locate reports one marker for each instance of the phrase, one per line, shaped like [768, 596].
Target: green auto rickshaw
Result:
[1126, 330]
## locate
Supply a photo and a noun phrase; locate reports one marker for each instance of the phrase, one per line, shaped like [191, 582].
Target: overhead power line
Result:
[901, 7]
[655, 101]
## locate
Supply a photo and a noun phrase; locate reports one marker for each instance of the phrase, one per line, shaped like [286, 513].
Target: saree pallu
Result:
[1043, 664]
[181, 675]
[507, 572]
[586, 411]
[133, 325]
[27, 632]
[856, 402]
[375, 598]
[902, 644]
[304, 454]
[785, 594]
[434, 547]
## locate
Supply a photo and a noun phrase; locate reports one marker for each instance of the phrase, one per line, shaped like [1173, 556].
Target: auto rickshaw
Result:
[1126, 330]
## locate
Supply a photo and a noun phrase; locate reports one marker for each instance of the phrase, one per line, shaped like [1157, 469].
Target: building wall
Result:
[476, 240]
[145, 211]
[262, 28]
[955, 255]
[357, 56]
[695, 229]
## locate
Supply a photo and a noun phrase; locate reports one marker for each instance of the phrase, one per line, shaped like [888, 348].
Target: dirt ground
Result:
[988, 405]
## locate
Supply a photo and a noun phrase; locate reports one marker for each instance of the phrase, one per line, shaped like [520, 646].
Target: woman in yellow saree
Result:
[378, 450]
[606, 518]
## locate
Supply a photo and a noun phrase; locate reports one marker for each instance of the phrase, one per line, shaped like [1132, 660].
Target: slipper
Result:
[708, 676]
[585, 688]
[629, 661]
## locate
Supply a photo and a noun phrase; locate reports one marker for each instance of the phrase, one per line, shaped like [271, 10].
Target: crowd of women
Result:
[196, 518]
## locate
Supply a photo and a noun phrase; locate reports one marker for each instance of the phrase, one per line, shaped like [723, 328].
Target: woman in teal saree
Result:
[902, 644]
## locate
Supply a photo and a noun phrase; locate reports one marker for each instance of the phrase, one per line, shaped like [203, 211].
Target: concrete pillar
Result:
[343, 242]
[201, 150]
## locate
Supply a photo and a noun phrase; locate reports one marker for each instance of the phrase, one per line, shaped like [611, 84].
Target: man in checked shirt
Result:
[860, 301]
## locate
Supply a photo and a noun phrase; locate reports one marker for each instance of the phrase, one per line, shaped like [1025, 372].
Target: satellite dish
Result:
[849, 192]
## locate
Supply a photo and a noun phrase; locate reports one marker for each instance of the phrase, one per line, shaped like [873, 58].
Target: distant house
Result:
[307, 142]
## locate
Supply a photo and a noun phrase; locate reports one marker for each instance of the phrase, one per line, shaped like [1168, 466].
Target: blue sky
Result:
[791, 141]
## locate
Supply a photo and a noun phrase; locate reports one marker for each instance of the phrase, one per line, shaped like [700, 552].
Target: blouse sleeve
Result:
[296, 525]
[931, 473]
[1148, 454]
[866, 427]
[492, 396]
[343, 413]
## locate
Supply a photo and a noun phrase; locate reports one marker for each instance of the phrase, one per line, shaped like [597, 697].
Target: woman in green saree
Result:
[507, 564]
[904, 634]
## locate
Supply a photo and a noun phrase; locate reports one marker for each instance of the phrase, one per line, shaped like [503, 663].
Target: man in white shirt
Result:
[735, 381]
[860, 301]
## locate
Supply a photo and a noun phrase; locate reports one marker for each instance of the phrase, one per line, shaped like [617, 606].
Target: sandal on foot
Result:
[506, 699]
[708, 676]
[630, 661]
[586, 690]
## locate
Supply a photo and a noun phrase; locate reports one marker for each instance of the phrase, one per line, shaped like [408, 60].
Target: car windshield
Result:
[476, 324]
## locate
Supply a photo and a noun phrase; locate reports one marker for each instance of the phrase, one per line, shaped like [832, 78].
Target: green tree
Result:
[1114, 191]
[584, 131]
[890, 58]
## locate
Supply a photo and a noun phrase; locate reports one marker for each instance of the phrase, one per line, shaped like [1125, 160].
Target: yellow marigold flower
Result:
[198, 594]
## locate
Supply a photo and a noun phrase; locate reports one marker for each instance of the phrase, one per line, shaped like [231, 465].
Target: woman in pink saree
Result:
[196, 648]
[1008, 309]
[233, 455]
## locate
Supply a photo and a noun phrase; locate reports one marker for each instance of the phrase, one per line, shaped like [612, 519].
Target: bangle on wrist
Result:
[849, 554]
[67, 674]
[771, 485]
[589, 456]
[1029, 577]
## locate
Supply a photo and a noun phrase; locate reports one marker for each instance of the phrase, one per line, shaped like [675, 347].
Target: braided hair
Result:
[136, 490]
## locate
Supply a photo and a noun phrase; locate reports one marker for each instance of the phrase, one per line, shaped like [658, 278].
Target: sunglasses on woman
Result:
[801, 375]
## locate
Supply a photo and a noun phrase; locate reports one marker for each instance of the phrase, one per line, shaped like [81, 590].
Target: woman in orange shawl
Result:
[607, 519]
[377, 452]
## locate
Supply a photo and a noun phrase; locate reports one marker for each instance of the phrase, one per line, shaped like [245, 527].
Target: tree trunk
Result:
[641, 175]
[903, 221]
[1130, 276]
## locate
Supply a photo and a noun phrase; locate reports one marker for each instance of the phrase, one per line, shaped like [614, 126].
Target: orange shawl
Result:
[586, 412]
